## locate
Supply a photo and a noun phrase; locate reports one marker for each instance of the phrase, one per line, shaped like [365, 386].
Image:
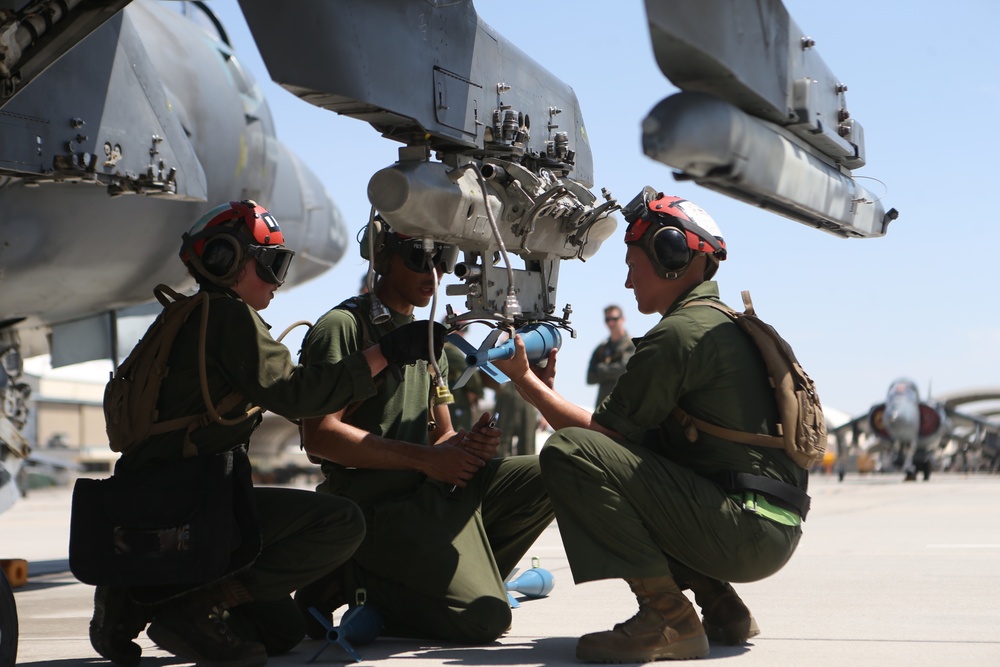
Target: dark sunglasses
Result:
[414, 257]
[612, 319]
[272, 262]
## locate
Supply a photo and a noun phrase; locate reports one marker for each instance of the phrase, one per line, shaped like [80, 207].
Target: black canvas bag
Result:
[166, 531]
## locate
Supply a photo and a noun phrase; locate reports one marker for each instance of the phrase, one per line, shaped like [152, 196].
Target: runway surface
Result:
[887, 573]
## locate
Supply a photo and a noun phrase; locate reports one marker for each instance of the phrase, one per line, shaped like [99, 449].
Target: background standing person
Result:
[518, 420]
[465, 407]
[642, 496]
[609, 359]
[236, 254]
[447, 520]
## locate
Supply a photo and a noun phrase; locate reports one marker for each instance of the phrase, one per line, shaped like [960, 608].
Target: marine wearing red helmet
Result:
[670, 230]
[225, 238]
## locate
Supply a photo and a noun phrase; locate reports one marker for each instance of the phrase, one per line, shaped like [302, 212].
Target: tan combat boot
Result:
[666, 627]
[724, 615]
[193, 628]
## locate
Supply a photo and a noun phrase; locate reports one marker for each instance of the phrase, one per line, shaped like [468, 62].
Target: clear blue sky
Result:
[924, 81]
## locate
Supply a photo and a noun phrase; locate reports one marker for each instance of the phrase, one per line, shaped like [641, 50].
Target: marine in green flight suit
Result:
[610, 357]
[434, 559]
[634, 496]
[303, 536]
[518, 419]
[466, 398]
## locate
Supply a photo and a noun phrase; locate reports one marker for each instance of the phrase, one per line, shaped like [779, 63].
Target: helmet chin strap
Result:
[680, 273]
[674, 275]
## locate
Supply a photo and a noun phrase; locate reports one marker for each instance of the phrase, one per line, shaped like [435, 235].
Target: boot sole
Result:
[101, 637]
[695, 647]
[735, 634]
[166, 639]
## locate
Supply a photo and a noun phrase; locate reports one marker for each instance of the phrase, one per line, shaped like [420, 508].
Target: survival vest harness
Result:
[801, 429]
[132, 392]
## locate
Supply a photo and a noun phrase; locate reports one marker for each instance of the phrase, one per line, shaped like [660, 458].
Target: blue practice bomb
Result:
[359, 625]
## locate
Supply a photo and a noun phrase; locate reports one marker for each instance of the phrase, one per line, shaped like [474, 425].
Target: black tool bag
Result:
[166, 531]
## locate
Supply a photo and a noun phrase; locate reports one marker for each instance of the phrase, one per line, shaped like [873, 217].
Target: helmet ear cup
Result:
[378, 249]
[221, 259]
[668, 249]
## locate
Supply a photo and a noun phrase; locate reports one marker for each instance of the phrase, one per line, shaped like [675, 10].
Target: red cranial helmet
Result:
[220, 242]
[671, 230]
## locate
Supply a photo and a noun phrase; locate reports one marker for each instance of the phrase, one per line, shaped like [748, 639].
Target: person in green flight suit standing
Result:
[519, 420]
[465, 407]
[609, 359]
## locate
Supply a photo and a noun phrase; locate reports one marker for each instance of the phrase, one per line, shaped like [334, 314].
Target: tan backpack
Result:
[802, 427]
[131, 395]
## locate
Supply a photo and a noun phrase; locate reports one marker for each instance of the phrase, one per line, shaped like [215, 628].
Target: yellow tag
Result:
[442, 396]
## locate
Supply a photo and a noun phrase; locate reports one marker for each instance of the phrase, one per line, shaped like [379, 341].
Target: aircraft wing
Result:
[494, 158]
[108, 154]
[970, 428]
[119, 128]
[855, 426]
[761, 117]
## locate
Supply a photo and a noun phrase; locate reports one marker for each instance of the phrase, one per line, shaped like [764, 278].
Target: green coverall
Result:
[647, 507]
[607, 363]
[517, 418]
[303, 536]
[432, 562]
[463, 412]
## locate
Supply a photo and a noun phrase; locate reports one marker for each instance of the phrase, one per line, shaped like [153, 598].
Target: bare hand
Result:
[515, 367]
[483, 440]
[547, 373]
[451, 463]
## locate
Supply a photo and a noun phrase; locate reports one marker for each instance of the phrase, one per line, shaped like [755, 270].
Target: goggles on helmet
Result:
[272, 262]
[415, 258]
[650, 206]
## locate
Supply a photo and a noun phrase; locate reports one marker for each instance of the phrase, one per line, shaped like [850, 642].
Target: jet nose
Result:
[311, 223]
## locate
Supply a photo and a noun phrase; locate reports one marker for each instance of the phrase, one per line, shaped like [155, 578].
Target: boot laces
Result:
[641, 620]
[220, 627]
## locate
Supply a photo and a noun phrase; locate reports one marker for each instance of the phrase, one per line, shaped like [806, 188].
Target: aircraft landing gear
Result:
[8, 624]
[921, 464]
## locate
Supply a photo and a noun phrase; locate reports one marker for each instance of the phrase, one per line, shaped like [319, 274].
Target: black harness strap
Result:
[786, 495]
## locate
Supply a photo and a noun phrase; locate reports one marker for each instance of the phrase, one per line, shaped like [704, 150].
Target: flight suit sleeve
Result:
[263, 371]
[334, 337]
[660, 371]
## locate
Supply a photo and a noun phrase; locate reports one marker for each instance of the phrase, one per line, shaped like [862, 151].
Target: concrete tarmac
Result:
[888, 573]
